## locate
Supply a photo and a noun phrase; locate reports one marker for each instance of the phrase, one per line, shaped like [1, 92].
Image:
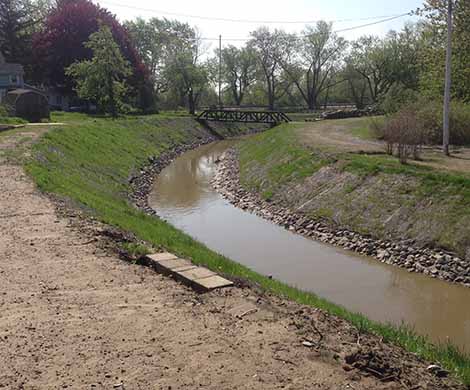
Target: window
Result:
[58, 100]
[14, 79]
[4, 80]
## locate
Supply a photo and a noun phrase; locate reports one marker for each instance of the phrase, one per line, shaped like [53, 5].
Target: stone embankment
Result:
[141, 182]
[406, 254]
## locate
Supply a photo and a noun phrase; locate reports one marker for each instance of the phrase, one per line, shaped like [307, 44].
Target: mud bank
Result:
[435, 263]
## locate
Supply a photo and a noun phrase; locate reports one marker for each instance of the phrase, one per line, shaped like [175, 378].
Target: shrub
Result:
[430, 114]
[7, 119]
[403, 133]
[397, 98]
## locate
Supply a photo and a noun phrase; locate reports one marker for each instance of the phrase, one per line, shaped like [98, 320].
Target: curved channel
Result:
[183, 195]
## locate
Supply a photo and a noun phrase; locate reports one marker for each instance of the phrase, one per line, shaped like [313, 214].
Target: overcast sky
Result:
[268, 10]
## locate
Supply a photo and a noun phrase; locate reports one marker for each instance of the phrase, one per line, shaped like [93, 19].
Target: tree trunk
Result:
[112, 99]
[191, 102]
[270, 96]
[327, 95]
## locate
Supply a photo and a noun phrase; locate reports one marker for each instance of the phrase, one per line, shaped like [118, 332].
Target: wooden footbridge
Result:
[221, 115]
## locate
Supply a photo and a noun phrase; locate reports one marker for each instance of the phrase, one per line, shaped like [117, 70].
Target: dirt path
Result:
[337, 136]
[75, 316]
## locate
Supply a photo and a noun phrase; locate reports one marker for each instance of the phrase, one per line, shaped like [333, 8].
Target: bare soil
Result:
[336, 135]
[74, 315]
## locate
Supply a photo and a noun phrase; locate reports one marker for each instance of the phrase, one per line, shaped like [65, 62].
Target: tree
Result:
[387, 67]
[15, 21]
[102, 78]
[172, 52]
[19, 21]
[357, 85]
[268, 47]
[238, 71]
[432, 58]
[151, 40]
[375, 60]
[313, 65]
[55, 50]
[185, 73]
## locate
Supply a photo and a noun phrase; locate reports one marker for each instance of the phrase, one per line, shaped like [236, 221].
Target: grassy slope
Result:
[90, 160]
[277, 160]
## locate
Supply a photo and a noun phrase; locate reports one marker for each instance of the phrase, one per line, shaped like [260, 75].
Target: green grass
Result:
[365, 130]
[91, 159]
[432, 182]
[278, 153]
[275, 159]
[11, 120]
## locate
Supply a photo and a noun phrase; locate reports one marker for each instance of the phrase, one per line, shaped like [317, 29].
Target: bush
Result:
[6, 119]
[397, 98]
[430, 114]
[3, 111]
[403, 133]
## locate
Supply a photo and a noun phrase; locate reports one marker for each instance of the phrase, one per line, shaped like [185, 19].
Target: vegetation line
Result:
[90, 161]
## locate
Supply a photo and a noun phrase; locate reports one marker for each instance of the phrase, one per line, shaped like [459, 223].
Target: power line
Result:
[230, 20]
[374, 23]
[301, 36]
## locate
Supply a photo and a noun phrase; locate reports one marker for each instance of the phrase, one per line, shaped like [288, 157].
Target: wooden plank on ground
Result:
[199, 278]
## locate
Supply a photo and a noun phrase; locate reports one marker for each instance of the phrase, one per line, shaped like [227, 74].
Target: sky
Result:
[257, 11]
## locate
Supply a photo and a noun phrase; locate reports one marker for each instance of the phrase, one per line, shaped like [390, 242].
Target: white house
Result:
[11, 77]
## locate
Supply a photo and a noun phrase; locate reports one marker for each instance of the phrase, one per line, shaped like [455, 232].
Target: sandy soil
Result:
[336, 135]
[74, 315]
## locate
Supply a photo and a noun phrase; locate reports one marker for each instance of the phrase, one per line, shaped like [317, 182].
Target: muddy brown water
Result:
[183, 196]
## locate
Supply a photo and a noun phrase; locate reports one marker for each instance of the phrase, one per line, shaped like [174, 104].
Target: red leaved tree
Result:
[61, 43]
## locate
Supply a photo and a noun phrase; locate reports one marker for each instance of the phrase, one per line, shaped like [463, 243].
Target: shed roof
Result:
[15, 94]
[21, 91]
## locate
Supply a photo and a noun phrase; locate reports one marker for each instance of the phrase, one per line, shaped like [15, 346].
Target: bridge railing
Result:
[273, 117]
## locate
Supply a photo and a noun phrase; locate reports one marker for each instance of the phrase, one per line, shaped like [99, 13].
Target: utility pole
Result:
[446, 129]
[220, 71]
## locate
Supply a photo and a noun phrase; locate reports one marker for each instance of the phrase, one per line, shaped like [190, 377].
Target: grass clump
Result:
[136, 250]
[91, 159]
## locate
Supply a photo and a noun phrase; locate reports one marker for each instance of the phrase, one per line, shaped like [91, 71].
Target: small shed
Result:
[28, 104]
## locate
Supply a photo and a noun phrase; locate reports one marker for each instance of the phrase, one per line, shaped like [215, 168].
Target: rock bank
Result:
[429, 261]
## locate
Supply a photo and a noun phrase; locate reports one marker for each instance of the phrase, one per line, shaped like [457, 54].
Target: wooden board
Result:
[199, 278]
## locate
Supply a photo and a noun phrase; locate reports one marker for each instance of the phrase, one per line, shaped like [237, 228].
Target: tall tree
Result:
[183, 67]
[101, 79]
[55, 50]
[17, 19]
[269, 47]
[375, 60]
[151, 39]
[434, 49]
[238, 70]
[313, 65]
[357, 86]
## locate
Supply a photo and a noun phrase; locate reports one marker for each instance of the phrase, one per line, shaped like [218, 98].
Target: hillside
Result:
[336, 172]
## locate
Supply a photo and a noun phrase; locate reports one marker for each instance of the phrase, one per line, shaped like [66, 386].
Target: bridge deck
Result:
[221, 115]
